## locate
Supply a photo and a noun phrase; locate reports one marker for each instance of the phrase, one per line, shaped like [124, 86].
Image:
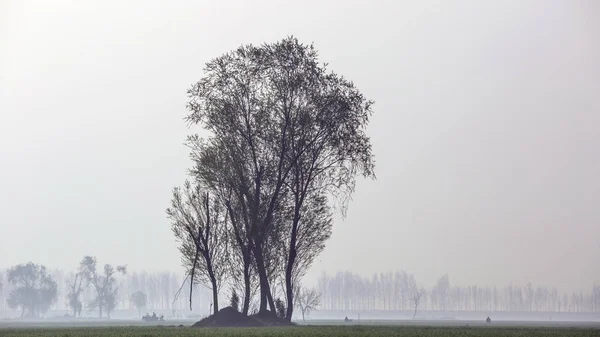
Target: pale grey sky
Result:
[486, 130]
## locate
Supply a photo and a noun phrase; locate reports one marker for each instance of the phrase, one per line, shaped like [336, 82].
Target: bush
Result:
[235, 301]
[280, 307]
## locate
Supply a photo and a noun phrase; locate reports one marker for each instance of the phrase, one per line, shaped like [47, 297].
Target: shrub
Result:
[235, 301]
[280, 307]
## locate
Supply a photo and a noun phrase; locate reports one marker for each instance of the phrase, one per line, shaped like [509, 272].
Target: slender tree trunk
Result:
[288, 281]
[292, 260]
[213, 282]
[265, 290]
[100, 310]
[247, 286]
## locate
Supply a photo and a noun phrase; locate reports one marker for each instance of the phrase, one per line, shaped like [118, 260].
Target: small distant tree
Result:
[307, 300]
[104, 283]
[235, 301]
[33, 289]
[139, 300]
[280, 307]
[416, 293]
[73, 296]
[112, 300]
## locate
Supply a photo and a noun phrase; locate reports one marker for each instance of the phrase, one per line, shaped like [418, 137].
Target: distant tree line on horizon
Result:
[342, 291]
[159, 288]
[398, 291]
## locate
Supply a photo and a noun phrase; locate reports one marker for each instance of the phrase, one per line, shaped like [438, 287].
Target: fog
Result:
[486, 131]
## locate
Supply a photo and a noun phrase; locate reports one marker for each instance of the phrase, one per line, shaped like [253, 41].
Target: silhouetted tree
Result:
[240, 255]
[104, 283]
[416, 294]
[139, 300]
[308, 236]
[307, 300]
[271, 109]
[198, 222]
[33, 289]
[75, 289]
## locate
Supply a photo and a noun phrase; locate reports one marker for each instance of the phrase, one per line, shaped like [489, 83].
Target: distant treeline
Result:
[159, 287]
[394, 291]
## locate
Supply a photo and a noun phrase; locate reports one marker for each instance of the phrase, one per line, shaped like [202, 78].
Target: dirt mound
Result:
[226, 317]
[229, 317]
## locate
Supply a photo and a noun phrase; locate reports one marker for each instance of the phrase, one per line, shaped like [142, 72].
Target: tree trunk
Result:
[100, 310]
[288, 281]
[247, 288]
[265, 290]
[213, 282]
[415, 314]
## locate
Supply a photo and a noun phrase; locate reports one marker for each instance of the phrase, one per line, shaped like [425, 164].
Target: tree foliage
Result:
[33, 289]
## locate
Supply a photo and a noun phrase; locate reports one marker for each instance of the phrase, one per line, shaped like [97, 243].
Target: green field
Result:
[301, 331]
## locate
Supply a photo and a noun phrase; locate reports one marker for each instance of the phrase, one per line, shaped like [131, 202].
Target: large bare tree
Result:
[273, 109]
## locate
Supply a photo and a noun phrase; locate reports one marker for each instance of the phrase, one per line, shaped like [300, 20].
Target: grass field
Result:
[302, 331]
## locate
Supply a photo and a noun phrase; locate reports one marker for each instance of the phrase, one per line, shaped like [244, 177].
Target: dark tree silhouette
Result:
[276, 113]
[305, 242]
[33, 289]
[198, 222]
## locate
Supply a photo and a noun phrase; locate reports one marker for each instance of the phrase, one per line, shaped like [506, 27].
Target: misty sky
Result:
[486, 130]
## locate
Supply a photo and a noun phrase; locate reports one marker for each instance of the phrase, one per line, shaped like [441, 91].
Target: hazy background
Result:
[486, 130]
